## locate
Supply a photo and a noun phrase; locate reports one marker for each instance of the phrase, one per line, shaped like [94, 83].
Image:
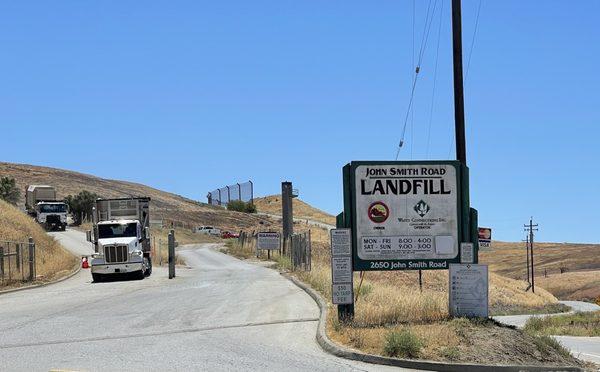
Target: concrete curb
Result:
[342, 352]
[69, 276]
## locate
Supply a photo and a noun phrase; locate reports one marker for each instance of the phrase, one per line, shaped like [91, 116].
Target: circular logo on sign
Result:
[378, 212]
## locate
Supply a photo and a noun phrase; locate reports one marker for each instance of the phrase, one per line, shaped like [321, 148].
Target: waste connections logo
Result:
[422, 208]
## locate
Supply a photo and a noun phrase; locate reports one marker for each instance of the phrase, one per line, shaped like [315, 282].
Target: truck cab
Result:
[121, 238]
[51, 215]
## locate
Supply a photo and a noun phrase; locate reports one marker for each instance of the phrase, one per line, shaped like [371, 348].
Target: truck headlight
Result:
[137, 253]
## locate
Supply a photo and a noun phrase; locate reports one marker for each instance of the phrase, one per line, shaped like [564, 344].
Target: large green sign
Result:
[407, 215]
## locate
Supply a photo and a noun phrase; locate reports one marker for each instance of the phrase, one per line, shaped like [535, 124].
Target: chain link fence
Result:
[240, 191]
[17, 262]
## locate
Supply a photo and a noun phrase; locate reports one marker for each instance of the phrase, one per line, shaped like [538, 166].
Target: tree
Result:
[8, 190]
[81, 205]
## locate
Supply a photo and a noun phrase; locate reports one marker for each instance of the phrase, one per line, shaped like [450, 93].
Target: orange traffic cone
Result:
[84, 263]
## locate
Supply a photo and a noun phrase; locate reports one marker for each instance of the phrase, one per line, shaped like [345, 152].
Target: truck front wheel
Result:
[97, 278]
[139, 275]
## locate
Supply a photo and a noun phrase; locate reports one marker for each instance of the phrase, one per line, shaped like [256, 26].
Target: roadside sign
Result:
[468, 290]
[467, 254]
[342, 294]
[268, 241]
[341, 244]
[341, 267]
[485, 237]
[406, 215]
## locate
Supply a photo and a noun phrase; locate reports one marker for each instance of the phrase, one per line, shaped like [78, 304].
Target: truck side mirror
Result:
[147, 232]
[88, 236]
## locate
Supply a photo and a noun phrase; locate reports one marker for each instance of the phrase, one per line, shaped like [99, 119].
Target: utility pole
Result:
[459, 103]
[530, 228]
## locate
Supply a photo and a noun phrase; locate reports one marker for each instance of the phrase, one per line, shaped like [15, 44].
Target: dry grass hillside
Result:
[164, 205]
[52, 260]
[272, 205]
[580, 264]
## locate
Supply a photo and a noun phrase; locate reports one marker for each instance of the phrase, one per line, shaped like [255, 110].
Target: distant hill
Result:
[164, 205]
[509, 259]
[272, 205]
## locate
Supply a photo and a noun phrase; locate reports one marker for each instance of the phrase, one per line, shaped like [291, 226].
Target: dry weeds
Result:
[53, 261]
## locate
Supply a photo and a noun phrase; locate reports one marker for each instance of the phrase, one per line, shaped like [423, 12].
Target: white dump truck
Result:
[42, 204]
[121, 238]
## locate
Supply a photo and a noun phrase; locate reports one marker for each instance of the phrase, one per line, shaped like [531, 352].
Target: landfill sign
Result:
[468, 290]
[268, 241]
[406, 215]
[485, 237]
[341, 266]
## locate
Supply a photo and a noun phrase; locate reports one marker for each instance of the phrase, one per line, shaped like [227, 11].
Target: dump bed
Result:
[123, 209]
[37, 193]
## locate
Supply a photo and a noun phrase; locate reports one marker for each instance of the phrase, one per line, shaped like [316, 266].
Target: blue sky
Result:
[188, 96]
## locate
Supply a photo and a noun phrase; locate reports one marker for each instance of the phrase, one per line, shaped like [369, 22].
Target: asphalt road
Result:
[584, 348]
[219, 314]
[74, 241]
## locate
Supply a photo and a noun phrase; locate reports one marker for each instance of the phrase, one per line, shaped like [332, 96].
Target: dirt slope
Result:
[272, 205]
[52, 261]
[164, 205]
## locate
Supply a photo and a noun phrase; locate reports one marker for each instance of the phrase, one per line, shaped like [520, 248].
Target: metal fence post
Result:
[2, 262]
[31, 259]
[172, 254]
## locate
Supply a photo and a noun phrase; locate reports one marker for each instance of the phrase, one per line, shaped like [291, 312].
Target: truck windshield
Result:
[53, 208]
[126, 230]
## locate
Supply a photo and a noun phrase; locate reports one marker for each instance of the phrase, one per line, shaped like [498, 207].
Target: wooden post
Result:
[31, 259]
[172, 254]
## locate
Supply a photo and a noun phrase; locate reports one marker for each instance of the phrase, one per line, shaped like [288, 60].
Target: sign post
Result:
[342, 290]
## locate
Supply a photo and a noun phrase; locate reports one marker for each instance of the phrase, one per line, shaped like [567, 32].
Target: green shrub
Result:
[9, 191]
[451, 353]
[403, 344]
[241, 206]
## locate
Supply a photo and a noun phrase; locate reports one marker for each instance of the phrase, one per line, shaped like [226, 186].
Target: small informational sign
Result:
[341, 244]
[342, 294]
[268, 241]
[467, 254]
[485, 237]
[469, 290]
[341, 267]
[406, 215]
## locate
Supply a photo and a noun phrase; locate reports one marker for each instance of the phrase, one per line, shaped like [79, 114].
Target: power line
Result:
[473, 40]
[425, 37]
[437, 53]
[468, 63]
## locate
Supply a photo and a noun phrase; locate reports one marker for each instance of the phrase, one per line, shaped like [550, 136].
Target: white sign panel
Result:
[341, 268]
[468, 290]
[342, 294]
[268, 241]
[406, 211]
[467, 253]
[341, 242]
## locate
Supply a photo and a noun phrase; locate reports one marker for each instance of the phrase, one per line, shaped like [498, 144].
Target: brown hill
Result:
[164, 205]
[272, 205]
